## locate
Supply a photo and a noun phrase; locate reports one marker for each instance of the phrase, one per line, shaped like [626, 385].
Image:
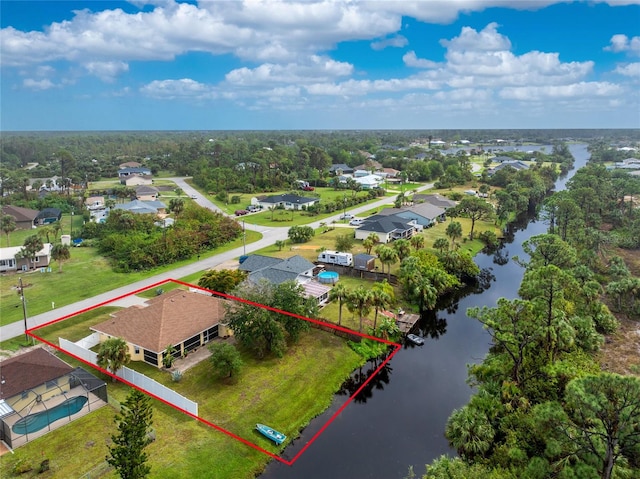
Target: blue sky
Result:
[278, 64]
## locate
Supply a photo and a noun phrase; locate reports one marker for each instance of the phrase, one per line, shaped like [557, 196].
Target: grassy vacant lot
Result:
[83, 276]
[286, 393]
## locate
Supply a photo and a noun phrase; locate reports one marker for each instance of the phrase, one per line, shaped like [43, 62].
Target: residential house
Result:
[502, 159]
[370, 165]
[130, 164]
[48, 216]
[424, 214]
[134, 171]
[143, 207]
[369, 182]
[95, 203]
[515, 164]
[434, 199]
[286, 201]
[11, 260]
[628, 164]
[40, 393]
[182, 319]
[390, 172]
[132, 181]
[388, 228]
[277, 271]
[25, 217]
[147, 193]
[339, 169]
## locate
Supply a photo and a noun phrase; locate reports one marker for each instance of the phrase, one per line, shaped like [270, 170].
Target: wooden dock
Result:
[406, 322]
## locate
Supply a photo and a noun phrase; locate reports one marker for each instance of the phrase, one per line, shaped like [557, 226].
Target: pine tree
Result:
[134, 425]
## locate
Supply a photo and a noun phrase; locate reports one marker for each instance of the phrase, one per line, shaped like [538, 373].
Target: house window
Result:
[37, 260]
[136, 350]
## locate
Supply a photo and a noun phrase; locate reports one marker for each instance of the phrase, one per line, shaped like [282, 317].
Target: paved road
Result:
[270, 236]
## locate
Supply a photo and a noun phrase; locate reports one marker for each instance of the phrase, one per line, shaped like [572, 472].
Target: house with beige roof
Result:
[183, 319]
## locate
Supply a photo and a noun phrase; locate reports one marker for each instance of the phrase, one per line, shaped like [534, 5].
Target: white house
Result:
[369, 182]
[10, 260]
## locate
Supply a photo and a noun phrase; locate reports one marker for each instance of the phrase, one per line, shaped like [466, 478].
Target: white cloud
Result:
[630, 70]
[487, 39]
[555, 92]
[622, 43]
[184, 88]
[106, 71]
[44, 84]
[314, 69]
[411, 60]
[397, 41]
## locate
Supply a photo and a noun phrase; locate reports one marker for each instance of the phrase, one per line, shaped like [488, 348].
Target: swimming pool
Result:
[328, 277]
[40, 420]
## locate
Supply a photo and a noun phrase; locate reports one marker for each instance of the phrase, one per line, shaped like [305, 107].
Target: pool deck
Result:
[92, 404]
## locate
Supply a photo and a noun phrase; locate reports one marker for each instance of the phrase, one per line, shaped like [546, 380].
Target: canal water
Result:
[399, 421]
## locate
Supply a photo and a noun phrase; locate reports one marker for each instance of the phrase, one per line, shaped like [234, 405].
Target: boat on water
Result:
[415, 339]
[271, 433]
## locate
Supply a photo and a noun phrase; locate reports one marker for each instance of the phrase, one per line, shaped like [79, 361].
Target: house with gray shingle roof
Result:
[142, 207]
[424, 214]
[340, 169]
[277, 271]
[515, 164]
[287, 201]
[387, 227]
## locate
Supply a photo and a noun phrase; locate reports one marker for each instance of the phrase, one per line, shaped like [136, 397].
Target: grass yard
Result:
[286, 393]
[86, 268]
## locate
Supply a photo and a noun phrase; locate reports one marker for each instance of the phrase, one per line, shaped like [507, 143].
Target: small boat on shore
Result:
[415, 339]
[271, 433]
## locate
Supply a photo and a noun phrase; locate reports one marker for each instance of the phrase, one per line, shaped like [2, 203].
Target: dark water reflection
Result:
[400, 419]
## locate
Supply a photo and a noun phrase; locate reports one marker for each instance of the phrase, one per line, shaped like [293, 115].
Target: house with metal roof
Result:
[12, 260]
[340, 169]
[134, 171]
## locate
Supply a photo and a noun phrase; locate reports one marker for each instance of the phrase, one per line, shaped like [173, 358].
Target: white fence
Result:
[90, 341]
[134, 377]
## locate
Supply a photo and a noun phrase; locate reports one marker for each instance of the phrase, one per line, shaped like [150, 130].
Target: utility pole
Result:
[24, 307]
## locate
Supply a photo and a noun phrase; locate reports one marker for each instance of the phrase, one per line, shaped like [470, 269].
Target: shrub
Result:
[176, 376]
[235, 199]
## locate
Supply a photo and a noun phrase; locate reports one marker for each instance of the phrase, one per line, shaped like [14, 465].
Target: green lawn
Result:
[85, 275]
[286, 393]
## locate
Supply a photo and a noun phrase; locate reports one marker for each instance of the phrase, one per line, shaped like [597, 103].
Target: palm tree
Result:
[113, 355]
[280, 244]
[402, 247]
[57, 228]
[30, 248]
[45, 232]
[454, 231]
[441, 244]
[382, 297]
[417, 242]
[8, 224]
[339, 292]
[370, 241]
[470, 432]
[60, 253]
[360, 300]
[387, 255]
[176, 206]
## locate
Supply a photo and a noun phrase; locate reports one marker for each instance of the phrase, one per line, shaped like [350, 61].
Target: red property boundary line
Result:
[396, 348]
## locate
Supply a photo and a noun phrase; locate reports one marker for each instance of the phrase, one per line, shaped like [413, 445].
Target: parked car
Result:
[194, 197]
[308, 188]
[347, 216]
[241, 212]
[356, 221]
[253, 208]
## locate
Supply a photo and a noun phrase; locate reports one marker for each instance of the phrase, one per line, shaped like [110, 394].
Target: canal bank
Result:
[401, 421]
